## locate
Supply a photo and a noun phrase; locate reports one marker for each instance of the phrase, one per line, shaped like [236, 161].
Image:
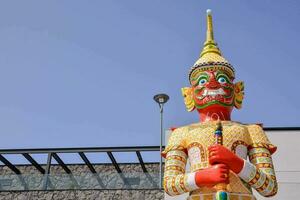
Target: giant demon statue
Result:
[227, 158]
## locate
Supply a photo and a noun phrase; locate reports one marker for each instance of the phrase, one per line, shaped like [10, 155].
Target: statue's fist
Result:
[220, 154]
[212, 175]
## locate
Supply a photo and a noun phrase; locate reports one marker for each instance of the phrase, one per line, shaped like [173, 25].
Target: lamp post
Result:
[161, 99]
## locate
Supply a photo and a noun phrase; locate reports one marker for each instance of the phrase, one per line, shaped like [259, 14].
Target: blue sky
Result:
[83, 73]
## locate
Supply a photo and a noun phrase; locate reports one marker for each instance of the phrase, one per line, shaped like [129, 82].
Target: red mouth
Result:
[205, 97]
[213, 98]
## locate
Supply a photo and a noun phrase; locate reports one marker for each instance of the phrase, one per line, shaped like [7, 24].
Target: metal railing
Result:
[45, 180]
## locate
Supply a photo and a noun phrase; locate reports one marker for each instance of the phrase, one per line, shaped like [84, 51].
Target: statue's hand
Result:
[212, 175]
[220, 154]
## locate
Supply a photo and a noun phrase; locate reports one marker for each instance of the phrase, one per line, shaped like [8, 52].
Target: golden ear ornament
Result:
[187, 94]
[238, 94]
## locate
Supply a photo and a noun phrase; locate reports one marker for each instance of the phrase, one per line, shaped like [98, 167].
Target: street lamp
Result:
[161, 99]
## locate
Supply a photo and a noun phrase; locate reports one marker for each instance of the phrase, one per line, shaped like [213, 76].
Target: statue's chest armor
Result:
[199, 138]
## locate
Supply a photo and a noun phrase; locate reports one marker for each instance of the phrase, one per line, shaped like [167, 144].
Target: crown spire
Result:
[211, 56]
[209, 31]
[210, 46]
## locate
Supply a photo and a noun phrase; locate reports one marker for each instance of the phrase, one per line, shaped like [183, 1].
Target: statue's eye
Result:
[223, 79]
[202, 81]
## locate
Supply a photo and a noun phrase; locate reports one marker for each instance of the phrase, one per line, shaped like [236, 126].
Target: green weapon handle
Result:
[221, 187]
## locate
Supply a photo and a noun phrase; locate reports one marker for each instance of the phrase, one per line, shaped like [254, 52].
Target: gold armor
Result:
[193, 140]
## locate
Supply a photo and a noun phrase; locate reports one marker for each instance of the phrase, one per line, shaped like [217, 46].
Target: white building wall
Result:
[286, 162]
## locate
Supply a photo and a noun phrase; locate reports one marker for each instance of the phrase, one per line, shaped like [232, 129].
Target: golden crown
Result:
[211, 56]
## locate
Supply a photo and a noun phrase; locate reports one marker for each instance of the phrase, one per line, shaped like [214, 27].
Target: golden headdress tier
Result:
[211, 56]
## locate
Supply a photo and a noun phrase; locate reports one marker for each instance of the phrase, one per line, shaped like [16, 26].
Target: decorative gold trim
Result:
[256, 155]
[202, 152]
[238, 94]
[270, 147]
[237, 143]
[176, 157]
[175, 167]
[187, 94]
